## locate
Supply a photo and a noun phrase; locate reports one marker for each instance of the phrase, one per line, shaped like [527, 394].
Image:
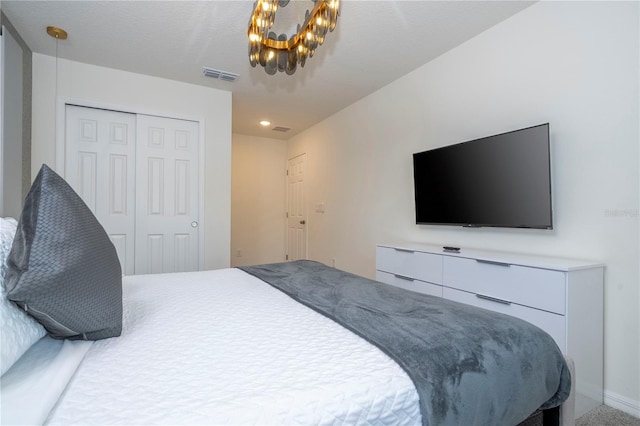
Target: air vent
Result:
[219, 75]
[281, 129]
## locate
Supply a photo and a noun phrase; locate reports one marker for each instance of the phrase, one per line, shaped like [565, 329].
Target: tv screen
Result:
[502, 181]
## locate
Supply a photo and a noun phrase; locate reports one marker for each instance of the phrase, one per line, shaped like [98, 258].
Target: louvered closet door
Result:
[167, 195]
[99, 166]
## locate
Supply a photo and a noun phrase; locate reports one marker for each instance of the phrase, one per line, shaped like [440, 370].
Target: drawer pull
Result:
[493, 299]
[402, 277]
[404, 250]
[491, 262]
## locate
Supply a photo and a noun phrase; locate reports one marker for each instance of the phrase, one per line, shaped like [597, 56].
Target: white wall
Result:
[149, 95]
[572, 64]
[257, 200]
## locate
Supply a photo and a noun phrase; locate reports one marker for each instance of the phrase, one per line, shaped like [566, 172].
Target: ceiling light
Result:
[265, 123]
[57, 33]
[279, 52]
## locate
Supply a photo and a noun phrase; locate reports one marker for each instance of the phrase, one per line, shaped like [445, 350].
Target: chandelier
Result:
[280, 53]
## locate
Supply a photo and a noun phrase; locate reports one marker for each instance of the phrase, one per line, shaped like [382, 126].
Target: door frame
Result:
[306, 206]
[60, 126]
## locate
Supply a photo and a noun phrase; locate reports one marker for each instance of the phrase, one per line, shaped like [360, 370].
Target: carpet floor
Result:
[607, 416]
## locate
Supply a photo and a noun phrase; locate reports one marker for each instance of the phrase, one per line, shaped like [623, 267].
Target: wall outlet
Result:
[333, 263]
[239, 253]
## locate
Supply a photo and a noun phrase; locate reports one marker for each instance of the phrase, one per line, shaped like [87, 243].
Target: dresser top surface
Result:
[545, 262]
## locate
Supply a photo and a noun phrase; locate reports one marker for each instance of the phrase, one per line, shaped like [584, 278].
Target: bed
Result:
[290, 343]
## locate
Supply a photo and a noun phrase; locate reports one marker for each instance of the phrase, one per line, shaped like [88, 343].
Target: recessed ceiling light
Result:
[265, 123]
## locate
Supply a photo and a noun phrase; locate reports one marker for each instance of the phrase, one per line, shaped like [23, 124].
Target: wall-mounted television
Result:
[501, 181]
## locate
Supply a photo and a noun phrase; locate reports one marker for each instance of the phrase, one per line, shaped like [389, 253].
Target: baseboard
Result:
[622, 403]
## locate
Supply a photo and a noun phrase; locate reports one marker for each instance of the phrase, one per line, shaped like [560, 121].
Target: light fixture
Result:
[279, 53]
[265, 123]
[58, 34]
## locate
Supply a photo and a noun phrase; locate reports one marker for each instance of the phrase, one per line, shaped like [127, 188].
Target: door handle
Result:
[302, 222]
[194, 224]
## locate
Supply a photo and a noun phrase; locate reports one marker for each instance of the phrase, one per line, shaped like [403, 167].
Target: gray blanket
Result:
[470, 366]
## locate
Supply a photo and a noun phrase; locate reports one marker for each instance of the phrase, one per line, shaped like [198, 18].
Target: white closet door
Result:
[100, 167]
[167, 195]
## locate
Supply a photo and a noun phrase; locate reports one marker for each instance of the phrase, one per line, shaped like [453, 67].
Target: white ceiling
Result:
[374, 43]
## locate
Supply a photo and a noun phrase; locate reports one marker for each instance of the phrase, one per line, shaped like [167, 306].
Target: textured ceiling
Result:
[374, 43]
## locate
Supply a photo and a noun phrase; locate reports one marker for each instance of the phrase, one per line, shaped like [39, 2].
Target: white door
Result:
[167, 195]
[296, 208]
[139, 175]
[99, 166]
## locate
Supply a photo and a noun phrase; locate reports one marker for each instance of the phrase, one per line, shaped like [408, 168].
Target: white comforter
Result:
[222, 347]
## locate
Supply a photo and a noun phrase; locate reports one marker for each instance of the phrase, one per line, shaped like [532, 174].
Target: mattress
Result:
[223, 347]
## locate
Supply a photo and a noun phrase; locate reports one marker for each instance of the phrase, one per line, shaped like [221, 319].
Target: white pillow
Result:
[19, 331]
[8, 226]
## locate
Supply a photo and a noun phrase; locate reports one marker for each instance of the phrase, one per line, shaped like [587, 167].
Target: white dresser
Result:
[564, 297]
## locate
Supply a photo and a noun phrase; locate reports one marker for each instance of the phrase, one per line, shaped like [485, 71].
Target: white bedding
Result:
[33, 385]
[223, 347]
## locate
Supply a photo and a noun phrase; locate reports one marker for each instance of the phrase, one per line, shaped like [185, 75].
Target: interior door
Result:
[167, 195]
[99, 166]
[296, 208]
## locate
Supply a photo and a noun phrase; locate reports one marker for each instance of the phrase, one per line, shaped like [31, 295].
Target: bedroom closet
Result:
[139, 174]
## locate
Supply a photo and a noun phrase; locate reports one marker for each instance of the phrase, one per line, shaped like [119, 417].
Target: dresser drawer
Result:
[538, 288]
[411, 264]
[409, 283]
[553, 324]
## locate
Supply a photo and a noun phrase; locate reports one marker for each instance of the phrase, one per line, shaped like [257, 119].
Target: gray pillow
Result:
[63, 269]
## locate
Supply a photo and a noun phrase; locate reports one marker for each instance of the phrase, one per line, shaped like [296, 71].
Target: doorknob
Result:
[302, 222]
[194, 224]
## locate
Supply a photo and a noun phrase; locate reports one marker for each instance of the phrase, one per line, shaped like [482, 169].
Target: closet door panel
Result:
[167, 199]
[100, 167]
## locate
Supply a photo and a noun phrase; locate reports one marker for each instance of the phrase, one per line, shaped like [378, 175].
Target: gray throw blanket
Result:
[470, 366]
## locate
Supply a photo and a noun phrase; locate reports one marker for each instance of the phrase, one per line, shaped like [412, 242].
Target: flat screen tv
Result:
[500, 181]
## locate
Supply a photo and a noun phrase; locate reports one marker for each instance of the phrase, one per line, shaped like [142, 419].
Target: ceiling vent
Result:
[281, 129]
[219, 75]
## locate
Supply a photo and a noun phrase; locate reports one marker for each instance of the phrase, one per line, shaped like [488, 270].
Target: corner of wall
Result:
[27, 60]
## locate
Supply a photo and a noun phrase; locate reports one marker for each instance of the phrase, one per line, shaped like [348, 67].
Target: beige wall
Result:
[149, 95]
[257, 200]
[572, 64]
